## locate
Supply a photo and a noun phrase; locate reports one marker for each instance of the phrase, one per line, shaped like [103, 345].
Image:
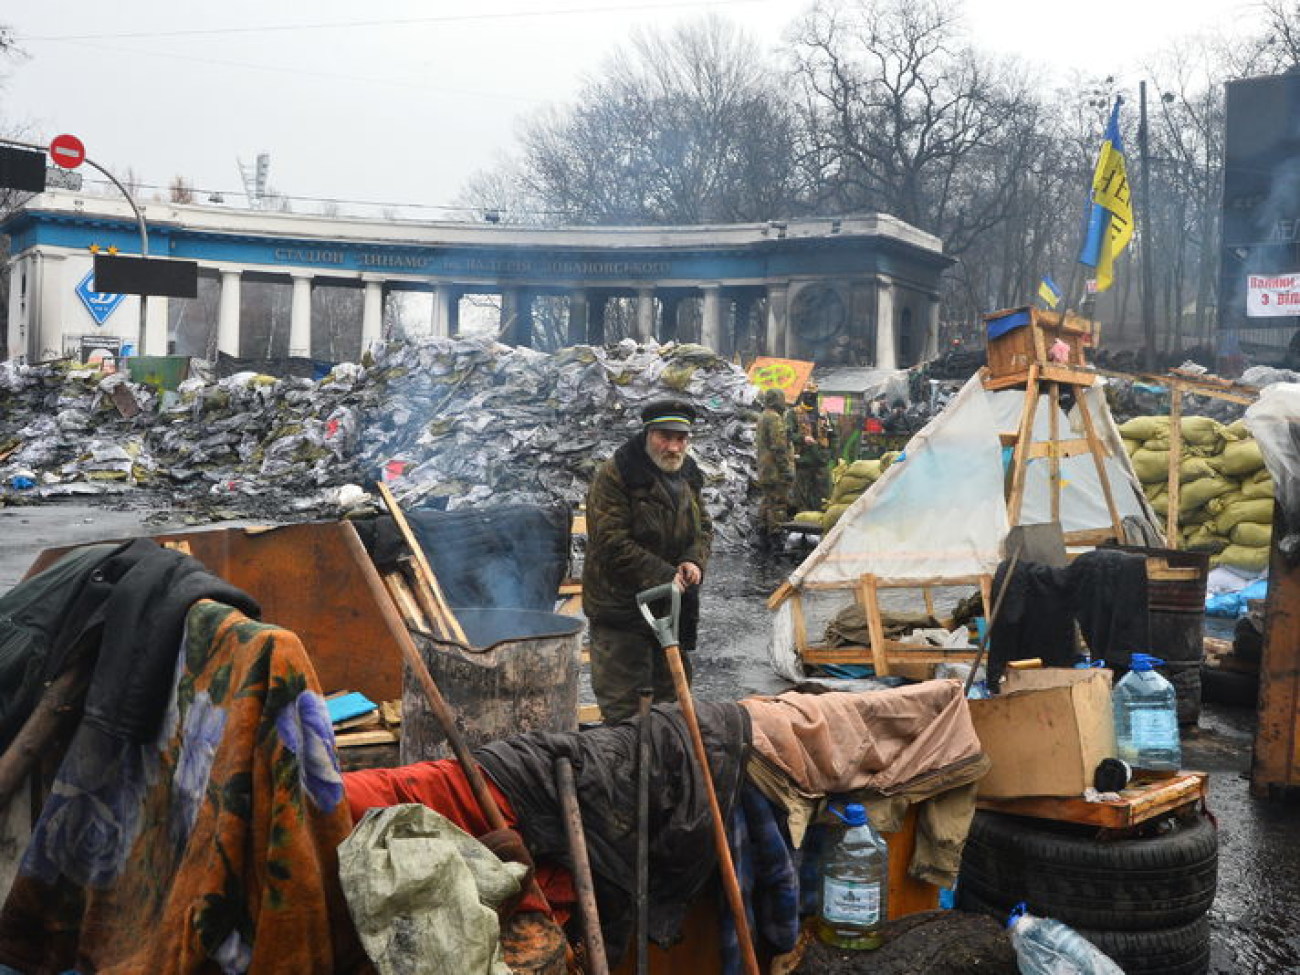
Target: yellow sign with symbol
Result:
[788, 375]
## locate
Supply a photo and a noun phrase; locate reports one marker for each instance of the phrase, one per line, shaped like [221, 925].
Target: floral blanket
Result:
[211, 849]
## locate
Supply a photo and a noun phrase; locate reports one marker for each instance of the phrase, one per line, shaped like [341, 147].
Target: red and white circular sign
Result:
[67, 151]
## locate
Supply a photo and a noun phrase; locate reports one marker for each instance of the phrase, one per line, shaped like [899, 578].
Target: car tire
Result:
[1065, 871]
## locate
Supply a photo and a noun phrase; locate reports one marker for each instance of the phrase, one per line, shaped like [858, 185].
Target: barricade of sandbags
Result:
[848, 483]
[1225, 497]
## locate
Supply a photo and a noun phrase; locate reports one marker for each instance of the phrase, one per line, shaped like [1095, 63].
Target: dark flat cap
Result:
[668, 414]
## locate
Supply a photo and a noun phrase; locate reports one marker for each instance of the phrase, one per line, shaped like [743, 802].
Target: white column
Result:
[228, 314]
[300, 317]
[645, 313]
[711, 325]
[932, 328]
[440, 314]
[54, 284]
[886, 349]
[21, 274]
[372, 315]
[155, 327]
[777, 320]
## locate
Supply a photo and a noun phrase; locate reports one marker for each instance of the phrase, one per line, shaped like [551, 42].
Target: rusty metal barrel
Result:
[519, 673]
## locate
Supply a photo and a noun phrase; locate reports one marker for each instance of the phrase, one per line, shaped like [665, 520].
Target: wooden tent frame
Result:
[893, 657]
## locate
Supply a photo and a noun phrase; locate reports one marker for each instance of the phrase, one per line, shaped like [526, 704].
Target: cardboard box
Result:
[1045, 733]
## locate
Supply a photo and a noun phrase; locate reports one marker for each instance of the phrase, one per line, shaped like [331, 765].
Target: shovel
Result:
[665, 629]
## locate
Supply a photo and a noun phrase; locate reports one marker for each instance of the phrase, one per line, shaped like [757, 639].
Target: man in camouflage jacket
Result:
[775, 466]
[646, 525]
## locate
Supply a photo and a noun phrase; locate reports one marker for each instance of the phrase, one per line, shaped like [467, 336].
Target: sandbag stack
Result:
[1225, 504]
[848, 483]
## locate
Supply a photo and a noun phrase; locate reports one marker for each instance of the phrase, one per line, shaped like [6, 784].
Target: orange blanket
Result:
[209, 850]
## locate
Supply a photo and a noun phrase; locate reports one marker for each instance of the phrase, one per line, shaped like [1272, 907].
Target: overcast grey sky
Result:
[399, 100]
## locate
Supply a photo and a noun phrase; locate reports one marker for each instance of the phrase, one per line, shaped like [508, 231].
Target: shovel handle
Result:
[665, 627]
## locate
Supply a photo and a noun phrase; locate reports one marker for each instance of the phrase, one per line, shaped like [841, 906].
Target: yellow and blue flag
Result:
[1049, 292]
[1110, 220]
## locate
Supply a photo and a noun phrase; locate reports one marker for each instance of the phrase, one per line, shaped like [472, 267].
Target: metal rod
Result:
[643, 833]
[586, 887]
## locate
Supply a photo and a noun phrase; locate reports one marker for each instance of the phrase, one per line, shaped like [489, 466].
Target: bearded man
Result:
[646, 525]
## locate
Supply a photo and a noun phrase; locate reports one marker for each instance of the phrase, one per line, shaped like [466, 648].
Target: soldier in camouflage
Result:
[775, 467]
[814, 442]
[646, 525]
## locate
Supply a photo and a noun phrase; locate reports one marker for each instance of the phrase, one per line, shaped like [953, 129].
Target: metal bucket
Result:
[519, 674]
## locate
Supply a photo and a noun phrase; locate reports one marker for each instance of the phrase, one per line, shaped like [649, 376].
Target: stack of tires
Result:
[1142, 899]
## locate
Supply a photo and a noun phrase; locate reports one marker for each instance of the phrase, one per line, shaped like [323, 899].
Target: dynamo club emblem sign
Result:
[98, 304]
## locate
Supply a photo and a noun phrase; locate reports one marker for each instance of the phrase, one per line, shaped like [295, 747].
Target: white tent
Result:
[939, 512]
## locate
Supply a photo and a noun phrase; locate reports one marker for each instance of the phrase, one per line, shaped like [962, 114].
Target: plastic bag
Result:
[1274, 421]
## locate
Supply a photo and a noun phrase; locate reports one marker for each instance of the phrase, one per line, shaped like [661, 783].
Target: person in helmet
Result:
[775, 467]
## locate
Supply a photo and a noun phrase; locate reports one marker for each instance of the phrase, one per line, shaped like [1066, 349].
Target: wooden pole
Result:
[57, 711]
[1174, 493]
[1024, 436]
[424, 572]
[585, 886]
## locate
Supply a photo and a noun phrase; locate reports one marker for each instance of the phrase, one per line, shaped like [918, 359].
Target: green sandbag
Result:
[1217, 506]
[1258, 485]
[868, 469]
[848, 487]
[1151, 466]
[1201, 538]
[1198, 517]
[1201, 430]
[1196, 494]
[1259, 510]
[1240, 458]
[1193, 469]
[1241, 557]
[1251, 534]
[809, 517]
[1132, 446]
[1160, 504]
[887, 459]
[1145, 428]
[1236, 430]
[832, 515]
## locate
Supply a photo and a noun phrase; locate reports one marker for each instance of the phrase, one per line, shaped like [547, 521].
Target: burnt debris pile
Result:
[448, 421]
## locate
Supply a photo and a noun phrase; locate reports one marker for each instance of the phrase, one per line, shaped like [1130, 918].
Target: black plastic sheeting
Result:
[297, 367]
[505, 557]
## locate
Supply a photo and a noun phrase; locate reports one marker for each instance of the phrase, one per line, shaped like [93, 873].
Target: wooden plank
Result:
[799, 623]
[1058, 449]
[1047, 371]
[1275, 766]
[1054, 456]
[1144, 801]
[589, 713]
[570, 587]
[1090, 536]
[782, 593]
[356, 738]
[929, 601]
[870, 597]
[1025, 433]
[1174, 490]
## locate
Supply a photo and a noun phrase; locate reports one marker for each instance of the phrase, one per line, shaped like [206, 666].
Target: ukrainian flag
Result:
[1048, 291]
[1110, 221]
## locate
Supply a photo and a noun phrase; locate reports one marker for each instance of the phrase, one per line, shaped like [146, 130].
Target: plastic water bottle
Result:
[1047, 947]
[1146, 718]
[855, 884]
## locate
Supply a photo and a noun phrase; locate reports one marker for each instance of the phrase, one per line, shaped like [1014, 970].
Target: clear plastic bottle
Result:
[1047, 947]
[855, 884]
[1146, 718]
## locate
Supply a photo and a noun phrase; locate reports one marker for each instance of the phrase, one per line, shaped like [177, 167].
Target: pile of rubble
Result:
[455, 422]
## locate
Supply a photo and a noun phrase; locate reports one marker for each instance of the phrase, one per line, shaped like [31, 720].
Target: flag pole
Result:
[1144, 187]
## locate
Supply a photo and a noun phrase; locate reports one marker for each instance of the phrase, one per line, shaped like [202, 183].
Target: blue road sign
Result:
[99, 305]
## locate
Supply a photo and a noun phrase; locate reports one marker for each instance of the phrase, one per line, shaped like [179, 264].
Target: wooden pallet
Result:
[1144, 800]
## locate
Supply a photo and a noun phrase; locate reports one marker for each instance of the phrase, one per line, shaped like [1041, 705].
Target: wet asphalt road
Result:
[1253, 921]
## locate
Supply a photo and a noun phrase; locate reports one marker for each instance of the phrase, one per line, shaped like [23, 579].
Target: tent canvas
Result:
[939, 512]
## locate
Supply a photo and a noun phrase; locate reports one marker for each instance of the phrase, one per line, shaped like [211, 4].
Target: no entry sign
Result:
[67, 151]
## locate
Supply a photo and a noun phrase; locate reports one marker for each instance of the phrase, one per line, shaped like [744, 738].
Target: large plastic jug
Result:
[1146, 717]
[1047, 947]
[855, 884]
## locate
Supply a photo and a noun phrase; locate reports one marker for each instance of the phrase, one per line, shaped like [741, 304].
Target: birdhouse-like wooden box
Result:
[1019, 337]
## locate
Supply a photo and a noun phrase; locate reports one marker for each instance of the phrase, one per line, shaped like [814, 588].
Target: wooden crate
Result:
[1018, 337]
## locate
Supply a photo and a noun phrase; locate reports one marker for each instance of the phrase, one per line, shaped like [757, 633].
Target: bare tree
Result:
[180, 190]
[685, 127]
